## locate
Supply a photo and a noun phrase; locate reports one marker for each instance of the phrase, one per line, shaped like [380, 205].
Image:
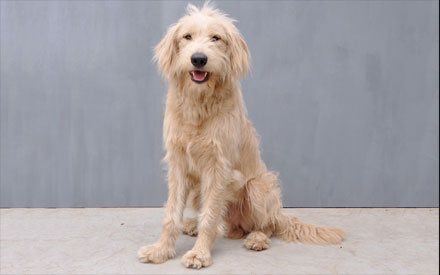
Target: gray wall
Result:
[344, 95]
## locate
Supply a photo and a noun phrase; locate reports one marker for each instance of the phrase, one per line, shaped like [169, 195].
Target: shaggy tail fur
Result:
[291, 229]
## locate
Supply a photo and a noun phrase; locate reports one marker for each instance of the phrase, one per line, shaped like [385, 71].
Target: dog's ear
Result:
[240, 56]
[165, 52]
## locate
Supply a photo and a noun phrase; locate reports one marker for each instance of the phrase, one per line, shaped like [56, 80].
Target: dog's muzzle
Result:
[199, 60]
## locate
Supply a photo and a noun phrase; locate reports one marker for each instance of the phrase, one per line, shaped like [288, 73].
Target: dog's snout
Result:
[199, 60]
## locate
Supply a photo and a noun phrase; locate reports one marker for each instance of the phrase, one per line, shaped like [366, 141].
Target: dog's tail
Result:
[289, 228]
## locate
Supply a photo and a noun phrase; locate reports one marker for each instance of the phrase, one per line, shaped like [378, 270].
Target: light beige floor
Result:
[105, 241]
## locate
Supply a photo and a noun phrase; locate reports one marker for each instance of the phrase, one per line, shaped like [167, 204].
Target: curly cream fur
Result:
[213, 151]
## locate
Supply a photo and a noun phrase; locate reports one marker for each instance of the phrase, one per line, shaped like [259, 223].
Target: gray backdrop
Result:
[344, 95]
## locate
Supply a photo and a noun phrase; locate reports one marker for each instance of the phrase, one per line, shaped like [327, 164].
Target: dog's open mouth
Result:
[199, 76]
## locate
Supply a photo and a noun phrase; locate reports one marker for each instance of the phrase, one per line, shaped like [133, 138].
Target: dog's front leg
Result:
[163, 249]
[214, 183]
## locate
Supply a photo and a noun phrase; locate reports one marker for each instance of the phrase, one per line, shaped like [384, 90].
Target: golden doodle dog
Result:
[212, 149]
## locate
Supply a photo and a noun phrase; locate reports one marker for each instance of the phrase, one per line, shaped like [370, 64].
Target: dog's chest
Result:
[187, 139]
[188, 134]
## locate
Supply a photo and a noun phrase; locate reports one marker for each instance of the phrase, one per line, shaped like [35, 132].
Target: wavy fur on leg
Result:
[264, 198]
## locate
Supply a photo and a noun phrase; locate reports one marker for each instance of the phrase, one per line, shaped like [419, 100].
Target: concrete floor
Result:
[105, 241]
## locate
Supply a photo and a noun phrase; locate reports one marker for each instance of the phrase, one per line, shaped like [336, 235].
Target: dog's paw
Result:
[197, 259]
[257, 241]
[190, 227]
[155, 253]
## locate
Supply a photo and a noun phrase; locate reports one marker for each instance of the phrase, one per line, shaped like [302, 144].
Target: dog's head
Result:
[203, 47]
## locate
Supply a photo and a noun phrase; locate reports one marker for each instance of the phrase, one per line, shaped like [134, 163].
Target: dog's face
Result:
[203, 48]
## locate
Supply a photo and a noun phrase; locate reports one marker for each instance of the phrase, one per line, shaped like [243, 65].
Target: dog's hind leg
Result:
[258, 240]
[190, 227]
[235, 232]
[264, 204]
[190, 224]
[263, 199]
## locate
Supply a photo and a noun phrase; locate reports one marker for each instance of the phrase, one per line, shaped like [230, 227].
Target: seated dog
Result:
[212, 149]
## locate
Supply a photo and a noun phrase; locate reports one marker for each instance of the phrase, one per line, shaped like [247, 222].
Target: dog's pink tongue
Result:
[199, 76]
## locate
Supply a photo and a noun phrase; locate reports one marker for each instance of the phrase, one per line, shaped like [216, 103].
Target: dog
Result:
[212, 150]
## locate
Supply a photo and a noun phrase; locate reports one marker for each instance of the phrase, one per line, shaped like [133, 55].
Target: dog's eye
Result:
[215, 38]
[188, 37]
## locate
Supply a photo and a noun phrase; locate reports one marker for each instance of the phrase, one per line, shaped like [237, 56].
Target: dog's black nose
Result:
[199, 60]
